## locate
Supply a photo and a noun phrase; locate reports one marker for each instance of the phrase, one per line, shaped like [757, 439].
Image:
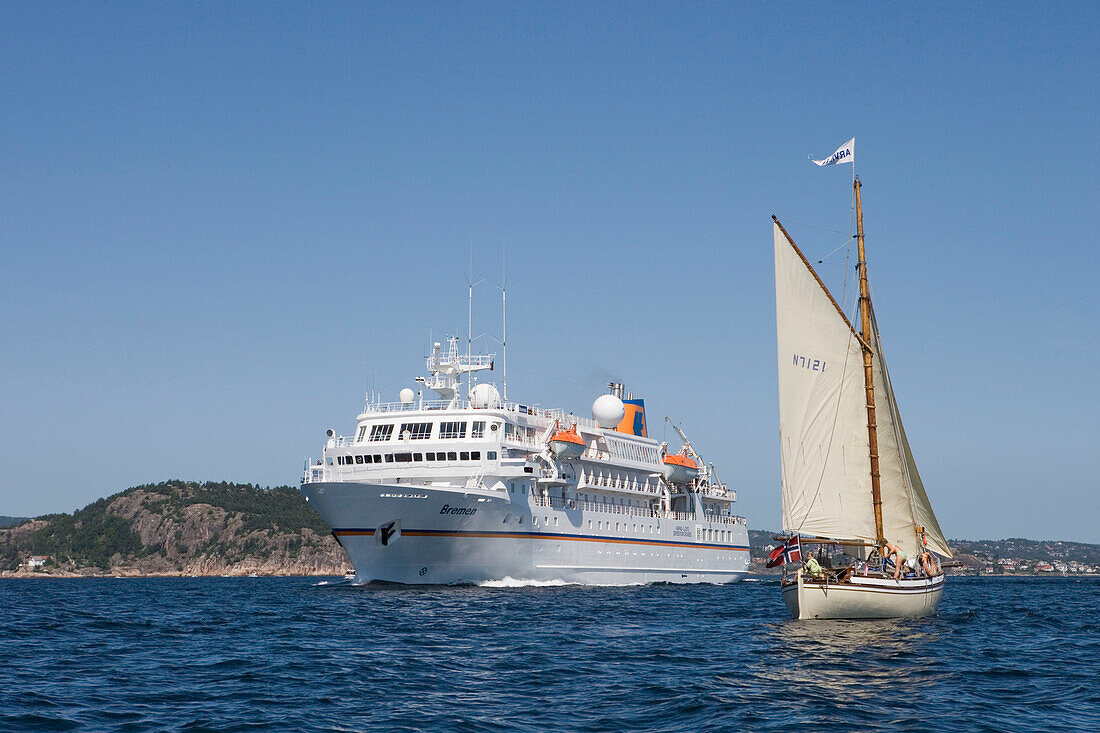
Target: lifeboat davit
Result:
[567, 443]
[680, 467]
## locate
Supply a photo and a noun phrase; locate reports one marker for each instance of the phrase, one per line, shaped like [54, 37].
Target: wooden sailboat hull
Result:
[864, 597]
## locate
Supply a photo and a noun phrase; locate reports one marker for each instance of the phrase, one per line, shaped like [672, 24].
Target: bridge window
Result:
[379, 433]
[417, 430]
[452, 430]
[477, 429]
[362, 433]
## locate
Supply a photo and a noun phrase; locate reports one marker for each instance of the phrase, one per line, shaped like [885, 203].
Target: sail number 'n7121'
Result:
[808, 362]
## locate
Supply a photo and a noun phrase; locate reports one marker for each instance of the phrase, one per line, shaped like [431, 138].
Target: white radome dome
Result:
[483, 396]
[608, 410]
[406, 396]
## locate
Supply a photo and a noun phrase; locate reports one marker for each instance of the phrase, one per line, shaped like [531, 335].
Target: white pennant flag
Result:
[846, 153]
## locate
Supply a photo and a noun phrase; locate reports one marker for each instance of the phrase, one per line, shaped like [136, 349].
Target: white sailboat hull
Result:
[864, 597]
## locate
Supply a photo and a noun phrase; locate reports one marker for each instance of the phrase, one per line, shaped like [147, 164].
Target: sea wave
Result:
[292, 654]
[507, 582]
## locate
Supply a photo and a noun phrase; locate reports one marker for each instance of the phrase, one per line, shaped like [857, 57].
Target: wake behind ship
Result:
[467, 491]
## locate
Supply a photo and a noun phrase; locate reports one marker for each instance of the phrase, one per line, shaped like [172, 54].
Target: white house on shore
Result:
[34, 562]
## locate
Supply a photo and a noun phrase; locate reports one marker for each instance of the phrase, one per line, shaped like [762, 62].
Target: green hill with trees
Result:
[181, 528]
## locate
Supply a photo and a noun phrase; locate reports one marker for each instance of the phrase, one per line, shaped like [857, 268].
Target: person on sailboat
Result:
[812, 568]
[890, 551]
[928, 564]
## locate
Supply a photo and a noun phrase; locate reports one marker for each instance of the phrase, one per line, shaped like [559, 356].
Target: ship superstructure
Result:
[452, 490]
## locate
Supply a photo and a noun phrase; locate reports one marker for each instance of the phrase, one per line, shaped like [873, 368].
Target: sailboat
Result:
[850, 485]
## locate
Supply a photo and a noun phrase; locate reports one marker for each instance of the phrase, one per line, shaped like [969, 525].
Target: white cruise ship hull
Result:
[863, 598]
[405, 533]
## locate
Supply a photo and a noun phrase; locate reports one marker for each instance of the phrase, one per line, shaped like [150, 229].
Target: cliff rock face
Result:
[181, 528]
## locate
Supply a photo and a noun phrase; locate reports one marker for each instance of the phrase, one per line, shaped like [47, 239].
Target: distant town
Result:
[1015, 556]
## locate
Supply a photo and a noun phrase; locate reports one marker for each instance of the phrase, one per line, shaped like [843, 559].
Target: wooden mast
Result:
[868, 371]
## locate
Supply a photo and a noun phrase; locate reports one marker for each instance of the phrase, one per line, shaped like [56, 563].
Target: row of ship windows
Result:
[644, 528]
[713, 535]
[473, 455]
[701, 533]
[422, 431]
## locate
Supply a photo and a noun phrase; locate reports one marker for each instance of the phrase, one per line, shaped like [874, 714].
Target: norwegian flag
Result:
[790, 551]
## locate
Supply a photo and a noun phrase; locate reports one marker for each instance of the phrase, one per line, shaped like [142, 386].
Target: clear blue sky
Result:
[221, 222]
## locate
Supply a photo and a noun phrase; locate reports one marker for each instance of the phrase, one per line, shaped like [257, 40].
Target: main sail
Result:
[824, 446]
[822, 415]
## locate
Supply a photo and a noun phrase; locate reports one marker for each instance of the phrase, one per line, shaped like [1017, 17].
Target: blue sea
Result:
[296, 654]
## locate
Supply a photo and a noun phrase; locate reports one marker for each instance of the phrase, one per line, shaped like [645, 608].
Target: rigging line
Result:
[842, 244]
[851, 224]
[815, 226]
[547, 376]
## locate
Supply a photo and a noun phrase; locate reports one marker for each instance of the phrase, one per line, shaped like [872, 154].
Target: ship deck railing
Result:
[316, 473]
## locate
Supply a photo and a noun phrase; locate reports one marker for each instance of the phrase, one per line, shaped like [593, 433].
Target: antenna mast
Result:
[868, 371]
[504, 319]
[470, 326]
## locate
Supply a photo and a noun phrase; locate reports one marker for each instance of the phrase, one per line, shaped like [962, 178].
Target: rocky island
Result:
[178, 528]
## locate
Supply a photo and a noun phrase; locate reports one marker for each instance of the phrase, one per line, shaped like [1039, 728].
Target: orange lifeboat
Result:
[680, 467]
[567, 443]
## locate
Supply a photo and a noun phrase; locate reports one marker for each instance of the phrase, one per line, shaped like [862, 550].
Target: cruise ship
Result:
[450, 490]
